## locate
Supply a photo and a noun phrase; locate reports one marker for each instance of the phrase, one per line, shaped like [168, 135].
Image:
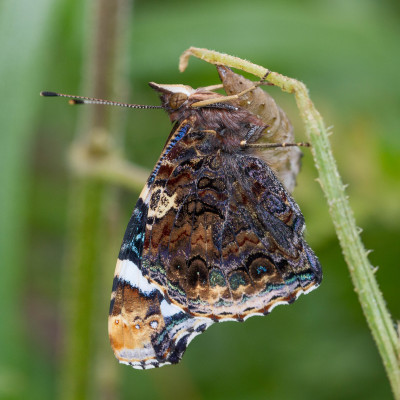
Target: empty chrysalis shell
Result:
[285, 162]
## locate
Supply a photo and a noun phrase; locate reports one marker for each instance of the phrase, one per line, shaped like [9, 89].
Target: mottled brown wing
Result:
[213, 236]
[223, 238]
[145, 329]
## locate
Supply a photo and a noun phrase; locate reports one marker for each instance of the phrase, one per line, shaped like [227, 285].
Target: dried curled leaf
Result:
[284, 161]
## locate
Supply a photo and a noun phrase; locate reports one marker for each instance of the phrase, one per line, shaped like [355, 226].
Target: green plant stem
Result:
[92, 157]
[80, 280]
[361, 271]
[110, 167]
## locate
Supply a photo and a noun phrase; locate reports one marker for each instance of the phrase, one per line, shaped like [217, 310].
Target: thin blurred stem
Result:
[110, 167]
[93, 150]
[80, 279]
[361, 271]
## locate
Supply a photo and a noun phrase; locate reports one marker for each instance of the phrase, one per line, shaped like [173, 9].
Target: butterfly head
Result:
[173, 97]
[176, 99]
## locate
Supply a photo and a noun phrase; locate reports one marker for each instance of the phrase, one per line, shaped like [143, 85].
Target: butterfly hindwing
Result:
[230, 244]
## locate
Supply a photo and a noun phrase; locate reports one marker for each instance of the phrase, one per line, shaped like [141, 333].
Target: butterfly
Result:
[214, 236]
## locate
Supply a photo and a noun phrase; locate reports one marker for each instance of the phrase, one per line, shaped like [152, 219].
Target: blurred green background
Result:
[345, 51]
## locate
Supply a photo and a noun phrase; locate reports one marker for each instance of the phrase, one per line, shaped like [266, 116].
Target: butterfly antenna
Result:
[244, 144]
[90, 100]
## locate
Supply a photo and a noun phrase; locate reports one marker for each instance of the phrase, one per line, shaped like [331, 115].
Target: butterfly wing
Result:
[229, 245]
[214, 236]
[145, 329]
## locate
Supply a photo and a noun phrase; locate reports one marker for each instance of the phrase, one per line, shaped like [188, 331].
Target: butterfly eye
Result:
[176, 100]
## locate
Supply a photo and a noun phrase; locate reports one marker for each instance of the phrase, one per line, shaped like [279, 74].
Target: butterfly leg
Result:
[207, 131]
[244, 144]
[234, 96]
[256, 84]
[213, 87]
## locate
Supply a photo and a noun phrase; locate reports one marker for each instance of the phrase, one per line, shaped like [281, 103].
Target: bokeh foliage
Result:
[346, 52]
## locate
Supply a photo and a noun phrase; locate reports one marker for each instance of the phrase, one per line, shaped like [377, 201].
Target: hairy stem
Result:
[88, 369]
[366, 286]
